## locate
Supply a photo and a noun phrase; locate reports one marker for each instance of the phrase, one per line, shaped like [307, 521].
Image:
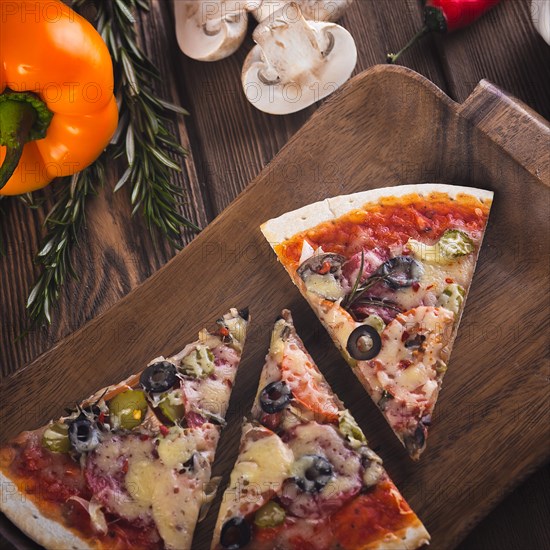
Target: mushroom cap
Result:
[298, 73]
[312, 10]
[207, 30]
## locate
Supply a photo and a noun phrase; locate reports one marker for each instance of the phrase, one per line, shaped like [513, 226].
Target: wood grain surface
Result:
[490, 428]
[230, 143]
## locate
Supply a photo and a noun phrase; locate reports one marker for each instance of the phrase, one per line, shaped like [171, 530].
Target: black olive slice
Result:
[275, 397]
[159, 377]
[92, 410]
[83, 435]
[364, 343]
[236, 533]
[416, 342]
[400, 272]
[317, 472]
[244, 313]
[384, 399]
[188, 465]
[321, 263]
[416, 441]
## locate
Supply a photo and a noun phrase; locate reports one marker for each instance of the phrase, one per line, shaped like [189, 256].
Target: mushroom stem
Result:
[296, 62]
[209, 30]
[295, 51]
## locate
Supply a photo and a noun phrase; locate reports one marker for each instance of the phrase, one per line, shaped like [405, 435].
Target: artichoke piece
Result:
[452, 245]
[452, 298]
[56, 438]
[199, 363]
[269, 515]
[376, 322]
[350, 430]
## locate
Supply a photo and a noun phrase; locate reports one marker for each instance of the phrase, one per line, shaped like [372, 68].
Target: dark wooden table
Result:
[229, 143]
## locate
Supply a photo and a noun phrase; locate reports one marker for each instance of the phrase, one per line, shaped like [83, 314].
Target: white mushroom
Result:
[296, 62]
[313, 10]
[209, 30]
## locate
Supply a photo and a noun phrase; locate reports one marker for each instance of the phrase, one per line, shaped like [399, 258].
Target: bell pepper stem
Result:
[24, 117]
[11, 160]
[17, 119]
[392, 57]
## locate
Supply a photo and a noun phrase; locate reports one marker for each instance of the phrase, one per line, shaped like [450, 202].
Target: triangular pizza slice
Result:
[387, 272]
[130, 466]
[305, 477]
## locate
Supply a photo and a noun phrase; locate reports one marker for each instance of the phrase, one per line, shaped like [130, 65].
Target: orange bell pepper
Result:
[57, 109]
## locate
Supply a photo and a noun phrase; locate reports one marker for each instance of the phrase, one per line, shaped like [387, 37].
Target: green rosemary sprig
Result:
[63, 224]
[350, 298]
[142, 138]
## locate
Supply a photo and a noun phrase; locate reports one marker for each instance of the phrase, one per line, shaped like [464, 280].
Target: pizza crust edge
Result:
[409, 538]
[284, 227]
[24, 513]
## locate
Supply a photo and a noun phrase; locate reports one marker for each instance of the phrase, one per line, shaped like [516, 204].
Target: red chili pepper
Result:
[325, 268]
[445, 16]
[164, 430]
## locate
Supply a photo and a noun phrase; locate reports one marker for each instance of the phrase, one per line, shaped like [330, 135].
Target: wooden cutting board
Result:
[387, 126]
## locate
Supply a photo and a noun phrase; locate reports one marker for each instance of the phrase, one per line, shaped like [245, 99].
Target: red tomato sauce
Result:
[388, 224]
[365, 519]
[50, 479]
[370, 517]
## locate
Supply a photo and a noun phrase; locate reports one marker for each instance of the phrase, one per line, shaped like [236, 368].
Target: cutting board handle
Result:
[518, 129]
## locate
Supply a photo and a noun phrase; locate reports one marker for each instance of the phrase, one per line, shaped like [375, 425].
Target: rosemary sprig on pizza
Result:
[305, 477]
[387, 272]
[130, 466]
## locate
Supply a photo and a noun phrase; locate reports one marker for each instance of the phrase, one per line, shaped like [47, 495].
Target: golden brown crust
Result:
[410, 538]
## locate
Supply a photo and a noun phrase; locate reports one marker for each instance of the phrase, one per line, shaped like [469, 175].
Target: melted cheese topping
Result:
[338, 321]
[154, 487]
[174, 500]
[263, 464]
[314, 438]
[409, 372]
[409, 375]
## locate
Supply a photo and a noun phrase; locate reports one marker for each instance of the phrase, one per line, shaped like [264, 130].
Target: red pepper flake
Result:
[224, 331]
[164, 430]
[405, 336]
[376, 365]
[143, 437]
[429, 287]
[125, 466]
[416, 287]
[404, 363]
[449, 281]
[325, 268]
[101, 417]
